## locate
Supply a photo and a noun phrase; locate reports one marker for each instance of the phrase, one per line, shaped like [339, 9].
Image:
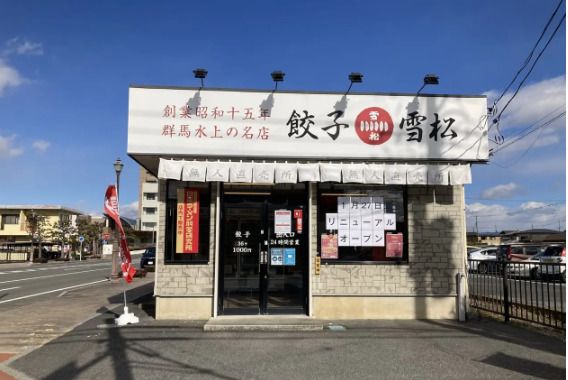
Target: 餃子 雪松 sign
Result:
[187, 228]
[248, 124]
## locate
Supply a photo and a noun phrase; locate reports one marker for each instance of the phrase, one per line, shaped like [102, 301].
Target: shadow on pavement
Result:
[511, 334]
[525, 366]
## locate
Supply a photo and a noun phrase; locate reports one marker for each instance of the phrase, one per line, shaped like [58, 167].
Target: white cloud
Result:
[9, 77]
[501, 191]
[129, 210]
[41, 145]
[491, 217]
[7, 147]
[532, 205]
[533, 102]
[20, 46]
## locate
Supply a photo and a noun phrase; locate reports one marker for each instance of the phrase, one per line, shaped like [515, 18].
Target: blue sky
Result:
[65, 68]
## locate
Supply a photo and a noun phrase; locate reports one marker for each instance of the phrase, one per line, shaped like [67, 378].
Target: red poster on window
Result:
[394, 245]
[187, 239]
[329, 246]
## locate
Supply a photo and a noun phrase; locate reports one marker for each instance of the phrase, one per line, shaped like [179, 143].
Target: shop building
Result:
[319, 204]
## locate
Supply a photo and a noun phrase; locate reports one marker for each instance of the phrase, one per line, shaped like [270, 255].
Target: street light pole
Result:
[118, 165]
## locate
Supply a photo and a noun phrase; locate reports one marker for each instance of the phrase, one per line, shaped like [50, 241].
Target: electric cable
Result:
[531, 68]
[529, 57]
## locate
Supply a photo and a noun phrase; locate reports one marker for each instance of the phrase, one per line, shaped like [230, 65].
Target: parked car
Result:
[552, 263]
[148, 260]
[478, 257]
[517, 251]
[526, 268]
[471, 248]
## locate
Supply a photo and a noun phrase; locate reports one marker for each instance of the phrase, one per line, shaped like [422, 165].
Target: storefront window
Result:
[362, 223]
[187, 223]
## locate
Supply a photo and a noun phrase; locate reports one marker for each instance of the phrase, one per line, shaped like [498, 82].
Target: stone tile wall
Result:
[190, 280]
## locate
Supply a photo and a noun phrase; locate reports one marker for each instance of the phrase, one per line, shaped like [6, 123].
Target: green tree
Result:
[63, 232]
[36, 226]
[92, 232]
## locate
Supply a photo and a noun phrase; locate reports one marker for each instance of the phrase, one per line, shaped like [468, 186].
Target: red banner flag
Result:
[110, 208]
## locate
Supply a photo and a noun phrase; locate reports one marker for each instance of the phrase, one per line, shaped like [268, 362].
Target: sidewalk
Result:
[359, 350]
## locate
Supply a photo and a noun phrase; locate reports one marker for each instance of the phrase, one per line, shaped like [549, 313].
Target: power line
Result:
[525, 133]
[529, 57]
[531, 68]
[561, 107]
[518, 159]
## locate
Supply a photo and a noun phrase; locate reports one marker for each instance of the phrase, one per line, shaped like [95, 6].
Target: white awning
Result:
[279, 172]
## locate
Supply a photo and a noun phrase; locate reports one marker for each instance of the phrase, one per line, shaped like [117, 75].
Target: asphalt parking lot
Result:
[359, 350]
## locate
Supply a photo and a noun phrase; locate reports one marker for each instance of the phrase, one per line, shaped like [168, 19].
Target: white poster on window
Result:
[367, 238]
[282, 221]
[355, 206]
[377, 205]
[355, 237]
[331, 221]
[379, 238]
[343, 205]
[343, 238]
[390, 222]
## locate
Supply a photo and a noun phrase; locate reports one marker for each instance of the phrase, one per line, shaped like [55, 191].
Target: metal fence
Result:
[529, 291]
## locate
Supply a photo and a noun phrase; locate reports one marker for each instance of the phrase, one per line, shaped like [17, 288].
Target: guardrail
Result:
[529, 291]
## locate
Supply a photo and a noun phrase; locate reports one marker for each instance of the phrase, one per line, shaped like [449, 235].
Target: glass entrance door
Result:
[264, 253]
[242, 247]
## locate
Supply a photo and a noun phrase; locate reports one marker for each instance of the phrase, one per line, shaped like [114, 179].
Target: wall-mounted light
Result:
[277, 76]
[429, 79]
[354, 78]
[200, 74]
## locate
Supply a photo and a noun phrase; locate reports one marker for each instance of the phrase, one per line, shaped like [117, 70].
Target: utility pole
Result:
[476, 226]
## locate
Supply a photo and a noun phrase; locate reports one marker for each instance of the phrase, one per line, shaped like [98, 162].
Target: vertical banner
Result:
[110, 207]
[394, 245]
[298, 215]
[187, 230]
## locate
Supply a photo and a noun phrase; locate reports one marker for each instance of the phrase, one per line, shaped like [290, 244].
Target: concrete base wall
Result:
[384, 307]
[184, 307]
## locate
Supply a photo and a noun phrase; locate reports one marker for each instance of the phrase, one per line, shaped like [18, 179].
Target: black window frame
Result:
[15, 216]
[170, 256]
[404, 260]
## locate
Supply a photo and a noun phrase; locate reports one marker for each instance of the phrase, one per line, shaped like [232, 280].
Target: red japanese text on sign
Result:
[188, 221]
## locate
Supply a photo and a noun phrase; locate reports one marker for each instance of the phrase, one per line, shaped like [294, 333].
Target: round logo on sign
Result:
[374, 126]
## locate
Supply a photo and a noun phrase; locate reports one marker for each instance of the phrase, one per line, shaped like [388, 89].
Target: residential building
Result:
[13, 221]
[147, 201]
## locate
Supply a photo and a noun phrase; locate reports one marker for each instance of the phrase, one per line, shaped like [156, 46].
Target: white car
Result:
[476, 260]
[552, 263]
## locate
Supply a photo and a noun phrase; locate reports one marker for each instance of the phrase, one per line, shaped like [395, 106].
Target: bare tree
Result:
[36, 226]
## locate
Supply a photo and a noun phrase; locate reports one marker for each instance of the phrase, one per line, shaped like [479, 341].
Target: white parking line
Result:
[15, 287]
[51, 275]
[52, 291]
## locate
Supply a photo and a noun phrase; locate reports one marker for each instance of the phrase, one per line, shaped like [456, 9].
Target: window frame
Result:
[171, 220]
[15, 216]
[340, 187]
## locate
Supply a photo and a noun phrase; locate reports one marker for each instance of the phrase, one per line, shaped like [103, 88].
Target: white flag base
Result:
[126, 318]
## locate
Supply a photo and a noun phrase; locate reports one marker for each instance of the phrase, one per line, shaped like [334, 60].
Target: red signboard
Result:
[187, 239]
[329, 246]
[394, 245]
[298, 216]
